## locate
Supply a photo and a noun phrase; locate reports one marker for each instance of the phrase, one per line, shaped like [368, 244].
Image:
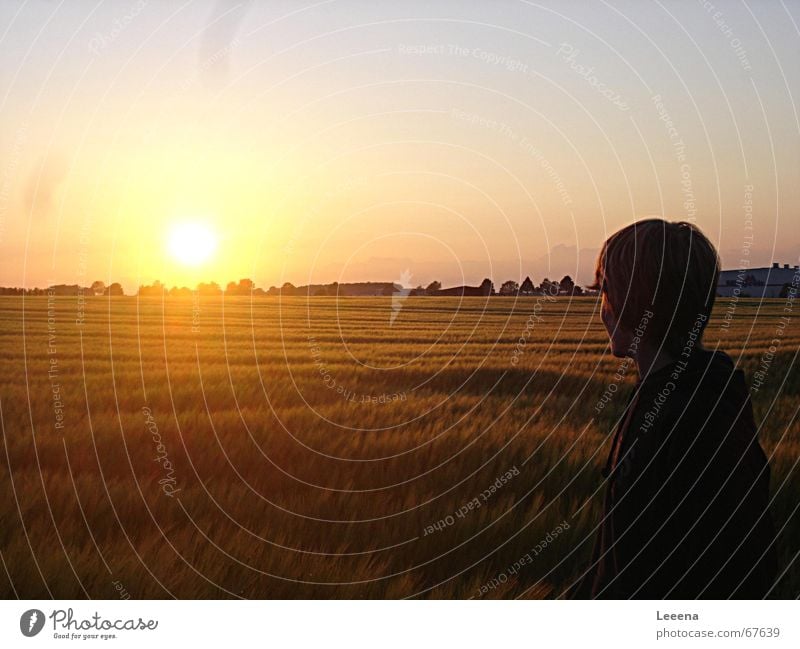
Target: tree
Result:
[433, 287]
[509, 287]
[487, 287]
[244, 287]
[548, 288]
[210, 288]
[288, 289]
[333, 289]
[527, 287]
[156, 289]
[98, 288]
[114, 289]
[566, 285]
[327, 290]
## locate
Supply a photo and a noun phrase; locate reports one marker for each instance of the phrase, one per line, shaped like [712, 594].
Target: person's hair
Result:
[669, 269]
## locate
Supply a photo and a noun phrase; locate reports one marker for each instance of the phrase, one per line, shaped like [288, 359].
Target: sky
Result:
[366, 140]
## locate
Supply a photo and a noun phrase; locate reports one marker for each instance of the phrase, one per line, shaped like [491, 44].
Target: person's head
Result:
[658, 281]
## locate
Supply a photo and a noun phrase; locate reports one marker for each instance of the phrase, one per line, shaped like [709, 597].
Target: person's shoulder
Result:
[710, 402]
[708, 375]
[704, 390]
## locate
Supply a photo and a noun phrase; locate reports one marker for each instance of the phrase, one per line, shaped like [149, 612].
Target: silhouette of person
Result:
[686, 510]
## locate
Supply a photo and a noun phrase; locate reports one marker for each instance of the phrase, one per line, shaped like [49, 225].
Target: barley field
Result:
[213, 447]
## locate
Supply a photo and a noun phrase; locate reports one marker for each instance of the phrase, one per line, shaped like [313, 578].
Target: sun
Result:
[191, 243]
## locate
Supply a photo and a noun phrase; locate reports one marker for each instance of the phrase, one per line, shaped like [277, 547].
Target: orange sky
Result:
[352, 141]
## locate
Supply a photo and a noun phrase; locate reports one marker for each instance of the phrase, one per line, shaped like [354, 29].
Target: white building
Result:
[756, 282]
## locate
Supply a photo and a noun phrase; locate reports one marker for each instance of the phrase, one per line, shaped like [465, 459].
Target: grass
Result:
[305, 448]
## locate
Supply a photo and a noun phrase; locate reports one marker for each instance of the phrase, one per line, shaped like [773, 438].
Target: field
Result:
[324, 448]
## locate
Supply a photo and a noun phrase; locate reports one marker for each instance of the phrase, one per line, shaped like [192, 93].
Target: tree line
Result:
[247, 287]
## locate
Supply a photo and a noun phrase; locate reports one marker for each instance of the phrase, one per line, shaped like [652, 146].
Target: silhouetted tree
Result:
[288, 289]
[210, 288]
[566, 285]
[155, 289]
[433, 287]
[548, 287]
[244, 287]
[113, 289]
[527, 287]
[509, 287]
[98, 288]
[328, 290]
[487, 287]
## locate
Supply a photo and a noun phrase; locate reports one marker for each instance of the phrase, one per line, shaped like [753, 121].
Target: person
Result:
[686, 510]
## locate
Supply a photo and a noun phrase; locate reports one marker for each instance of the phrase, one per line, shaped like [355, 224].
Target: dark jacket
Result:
[686, 506]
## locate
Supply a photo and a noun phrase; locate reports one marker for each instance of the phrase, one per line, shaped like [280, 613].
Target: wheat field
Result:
[214, 447]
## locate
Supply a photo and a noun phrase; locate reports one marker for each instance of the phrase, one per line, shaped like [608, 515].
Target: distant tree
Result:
[327, 290]
[509, 287]
[288, 289]
[527, 287]
[183, 291]
[98, 288]
[114, 289]
[273, 290]
[487, 287]
[210, 288]
[548, 287]
[433, 287]
[566, 285]
[232, 289]
[155, 289]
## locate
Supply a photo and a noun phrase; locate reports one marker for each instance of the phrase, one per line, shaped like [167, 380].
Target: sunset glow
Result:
[191, 244]
[456, 140]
